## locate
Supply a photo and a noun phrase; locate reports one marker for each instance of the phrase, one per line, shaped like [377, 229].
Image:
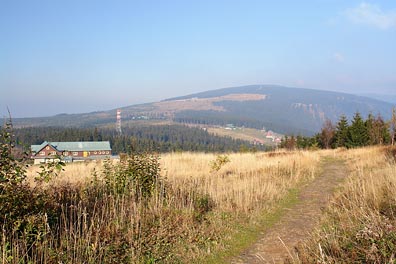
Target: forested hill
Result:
[158, 138]
[282, 109]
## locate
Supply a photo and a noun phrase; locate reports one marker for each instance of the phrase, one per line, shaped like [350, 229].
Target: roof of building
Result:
[74, 146]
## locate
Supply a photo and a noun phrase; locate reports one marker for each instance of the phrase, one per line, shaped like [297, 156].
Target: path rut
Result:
[278, 242]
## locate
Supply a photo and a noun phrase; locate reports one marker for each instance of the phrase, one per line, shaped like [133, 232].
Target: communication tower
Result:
[118, 123]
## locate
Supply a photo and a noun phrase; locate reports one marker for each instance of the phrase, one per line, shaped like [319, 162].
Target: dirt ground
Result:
[278, 242]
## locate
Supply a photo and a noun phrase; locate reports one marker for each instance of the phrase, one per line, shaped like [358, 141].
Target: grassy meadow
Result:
[200, 204]
[199, 208]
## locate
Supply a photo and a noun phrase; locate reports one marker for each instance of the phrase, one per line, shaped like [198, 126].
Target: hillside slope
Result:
[284, 109]
[278, 108]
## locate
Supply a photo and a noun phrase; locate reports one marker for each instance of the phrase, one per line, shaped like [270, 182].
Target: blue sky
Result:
[80, 56]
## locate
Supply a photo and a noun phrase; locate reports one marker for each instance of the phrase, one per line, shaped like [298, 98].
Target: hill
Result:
[283, 109]
[278, 108]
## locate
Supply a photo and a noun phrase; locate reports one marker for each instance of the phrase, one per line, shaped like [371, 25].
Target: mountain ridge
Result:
[304, 110]
[279, 108]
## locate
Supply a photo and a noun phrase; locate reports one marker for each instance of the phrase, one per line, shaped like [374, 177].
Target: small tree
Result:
[357, 132]
[12, 170]
[327, 134]
[139, 173]
[341, 132]
[289, 143]
[378, 130]
[219, 162]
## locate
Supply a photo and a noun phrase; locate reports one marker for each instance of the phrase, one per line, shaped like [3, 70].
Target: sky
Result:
[81, 56]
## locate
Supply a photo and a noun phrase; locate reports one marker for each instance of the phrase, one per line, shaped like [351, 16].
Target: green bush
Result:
[202, 205]
[219, 162]
[139, 173]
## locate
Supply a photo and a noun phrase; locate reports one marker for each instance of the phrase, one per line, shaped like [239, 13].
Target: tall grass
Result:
[360, 225]
[187, 215]
[249, 181]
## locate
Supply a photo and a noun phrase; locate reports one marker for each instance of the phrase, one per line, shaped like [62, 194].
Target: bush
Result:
[202, 205]
[219, 162]
[139, 173]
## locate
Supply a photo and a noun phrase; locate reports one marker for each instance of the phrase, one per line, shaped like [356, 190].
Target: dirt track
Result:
[278, 242]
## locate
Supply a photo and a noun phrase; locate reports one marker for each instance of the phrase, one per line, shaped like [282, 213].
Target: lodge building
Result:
[70, 151]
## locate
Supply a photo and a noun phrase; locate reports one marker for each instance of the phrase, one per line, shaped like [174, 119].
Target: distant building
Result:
[230, 127]
[70, 151]
[257, 141]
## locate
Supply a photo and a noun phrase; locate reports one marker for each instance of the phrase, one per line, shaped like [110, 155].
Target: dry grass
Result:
[196, 217]
[77, 173]
[242, 184]
[246, 181]
[199, 212]
[360, 225]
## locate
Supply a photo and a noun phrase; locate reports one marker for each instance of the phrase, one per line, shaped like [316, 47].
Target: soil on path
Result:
[278, 242]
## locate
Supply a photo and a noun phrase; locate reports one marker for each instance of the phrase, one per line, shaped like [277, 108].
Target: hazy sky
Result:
[79, 56]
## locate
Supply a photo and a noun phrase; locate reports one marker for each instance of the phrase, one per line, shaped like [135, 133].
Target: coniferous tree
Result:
[341, 133]
[357, 132]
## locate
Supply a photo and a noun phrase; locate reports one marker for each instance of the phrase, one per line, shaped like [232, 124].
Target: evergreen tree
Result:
[357, 132]
[341, 133]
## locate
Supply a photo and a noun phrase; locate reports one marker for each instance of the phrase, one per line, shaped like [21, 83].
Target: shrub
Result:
[139, 173]
[202, 205]
[219, 162]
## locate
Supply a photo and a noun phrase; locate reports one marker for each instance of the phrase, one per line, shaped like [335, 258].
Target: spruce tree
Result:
[341, 134]
[357, 132]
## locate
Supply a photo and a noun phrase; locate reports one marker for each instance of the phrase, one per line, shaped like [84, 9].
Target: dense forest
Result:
[160, 138]
[360, 132]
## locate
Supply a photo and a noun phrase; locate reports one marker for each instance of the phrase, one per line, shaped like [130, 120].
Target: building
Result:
[70, 151]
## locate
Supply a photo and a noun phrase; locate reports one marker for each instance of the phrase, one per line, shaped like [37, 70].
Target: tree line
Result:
[360, 132]
[158, 138]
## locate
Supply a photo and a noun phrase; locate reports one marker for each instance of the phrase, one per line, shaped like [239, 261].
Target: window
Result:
[75, 153]
[65, 153]
[47, 147]
[95, 152]
[107, 152]
[42, 153]
[53, 153]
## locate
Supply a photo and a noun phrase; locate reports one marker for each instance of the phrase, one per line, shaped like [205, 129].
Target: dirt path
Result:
[278, 241]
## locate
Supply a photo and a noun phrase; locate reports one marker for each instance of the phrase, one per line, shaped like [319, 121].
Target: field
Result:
[202, 208]
[209, 200]
[239, 185]
[249, 134]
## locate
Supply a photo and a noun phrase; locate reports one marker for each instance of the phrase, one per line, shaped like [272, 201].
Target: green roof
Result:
[74, 146]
